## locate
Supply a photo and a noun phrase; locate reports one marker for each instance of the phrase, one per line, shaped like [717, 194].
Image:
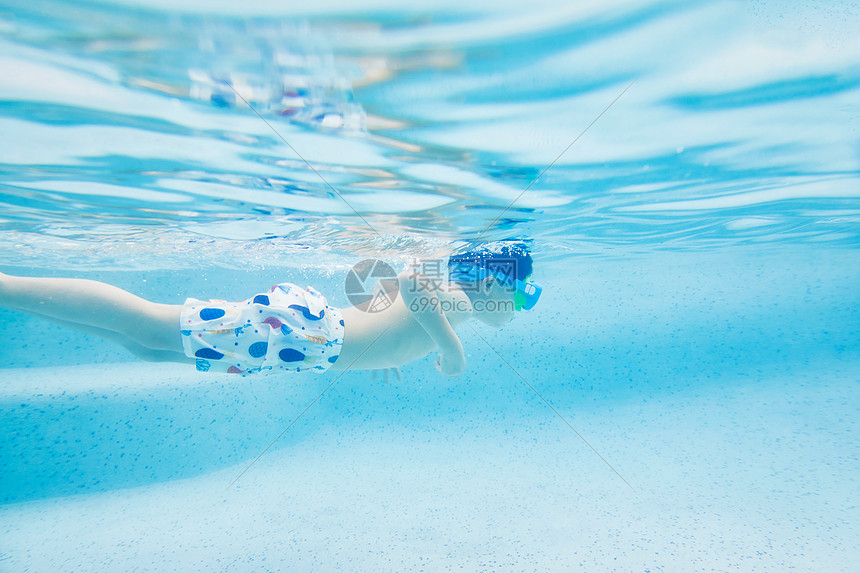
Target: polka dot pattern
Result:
[209, 353]
[306, 312]
[212, 313]
[258, 349]
[291, 355]
[288, 328]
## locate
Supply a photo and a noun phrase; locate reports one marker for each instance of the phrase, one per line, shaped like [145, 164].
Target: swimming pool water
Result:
[738, 126]
[683, 398]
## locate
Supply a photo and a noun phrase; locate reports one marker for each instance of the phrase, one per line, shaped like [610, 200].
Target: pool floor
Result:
[760, 475]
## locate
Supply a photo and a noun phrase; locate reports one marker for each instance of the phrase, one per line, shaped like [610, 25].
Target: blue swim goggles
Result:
[526, 292]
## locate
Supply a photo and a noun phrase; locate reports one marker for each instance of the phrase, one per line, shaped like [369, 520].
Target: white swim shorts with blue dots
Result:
[285, 329]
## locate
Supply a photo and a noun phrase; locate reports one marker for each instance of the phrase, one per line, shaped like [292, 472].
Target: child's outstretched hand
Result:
[386, 372]
[451, 362]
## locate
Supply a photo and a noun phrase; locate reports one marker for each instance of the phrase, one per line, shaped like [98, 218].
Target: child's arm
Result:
[424, 304]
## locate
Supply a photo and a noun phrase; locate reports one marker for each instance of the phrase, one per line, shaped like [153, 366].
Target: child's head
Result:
[494, 276]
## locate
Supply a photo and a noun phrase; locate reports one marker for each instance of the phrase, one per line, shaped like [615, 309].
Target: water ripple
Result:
[126, 137]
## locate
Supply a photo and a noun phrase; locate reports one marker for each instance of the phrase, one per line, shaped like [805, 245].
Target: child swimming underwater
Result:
[293, 329]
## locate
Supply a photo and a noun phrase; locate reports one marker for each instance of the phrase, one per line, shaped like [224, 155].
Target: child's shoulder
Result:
[455, 303]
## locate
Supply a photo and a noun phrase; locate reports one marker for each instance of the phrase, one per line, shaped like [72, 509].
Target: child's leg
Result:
[82, 303]
[141, 352]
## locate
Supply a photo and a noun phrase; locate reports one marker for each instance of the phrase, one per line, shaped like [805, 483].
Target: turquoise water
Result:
[689, 173]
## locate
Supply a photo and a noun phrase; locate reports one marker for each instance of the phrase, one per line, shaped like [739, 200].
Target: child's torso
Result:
[386, 339]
